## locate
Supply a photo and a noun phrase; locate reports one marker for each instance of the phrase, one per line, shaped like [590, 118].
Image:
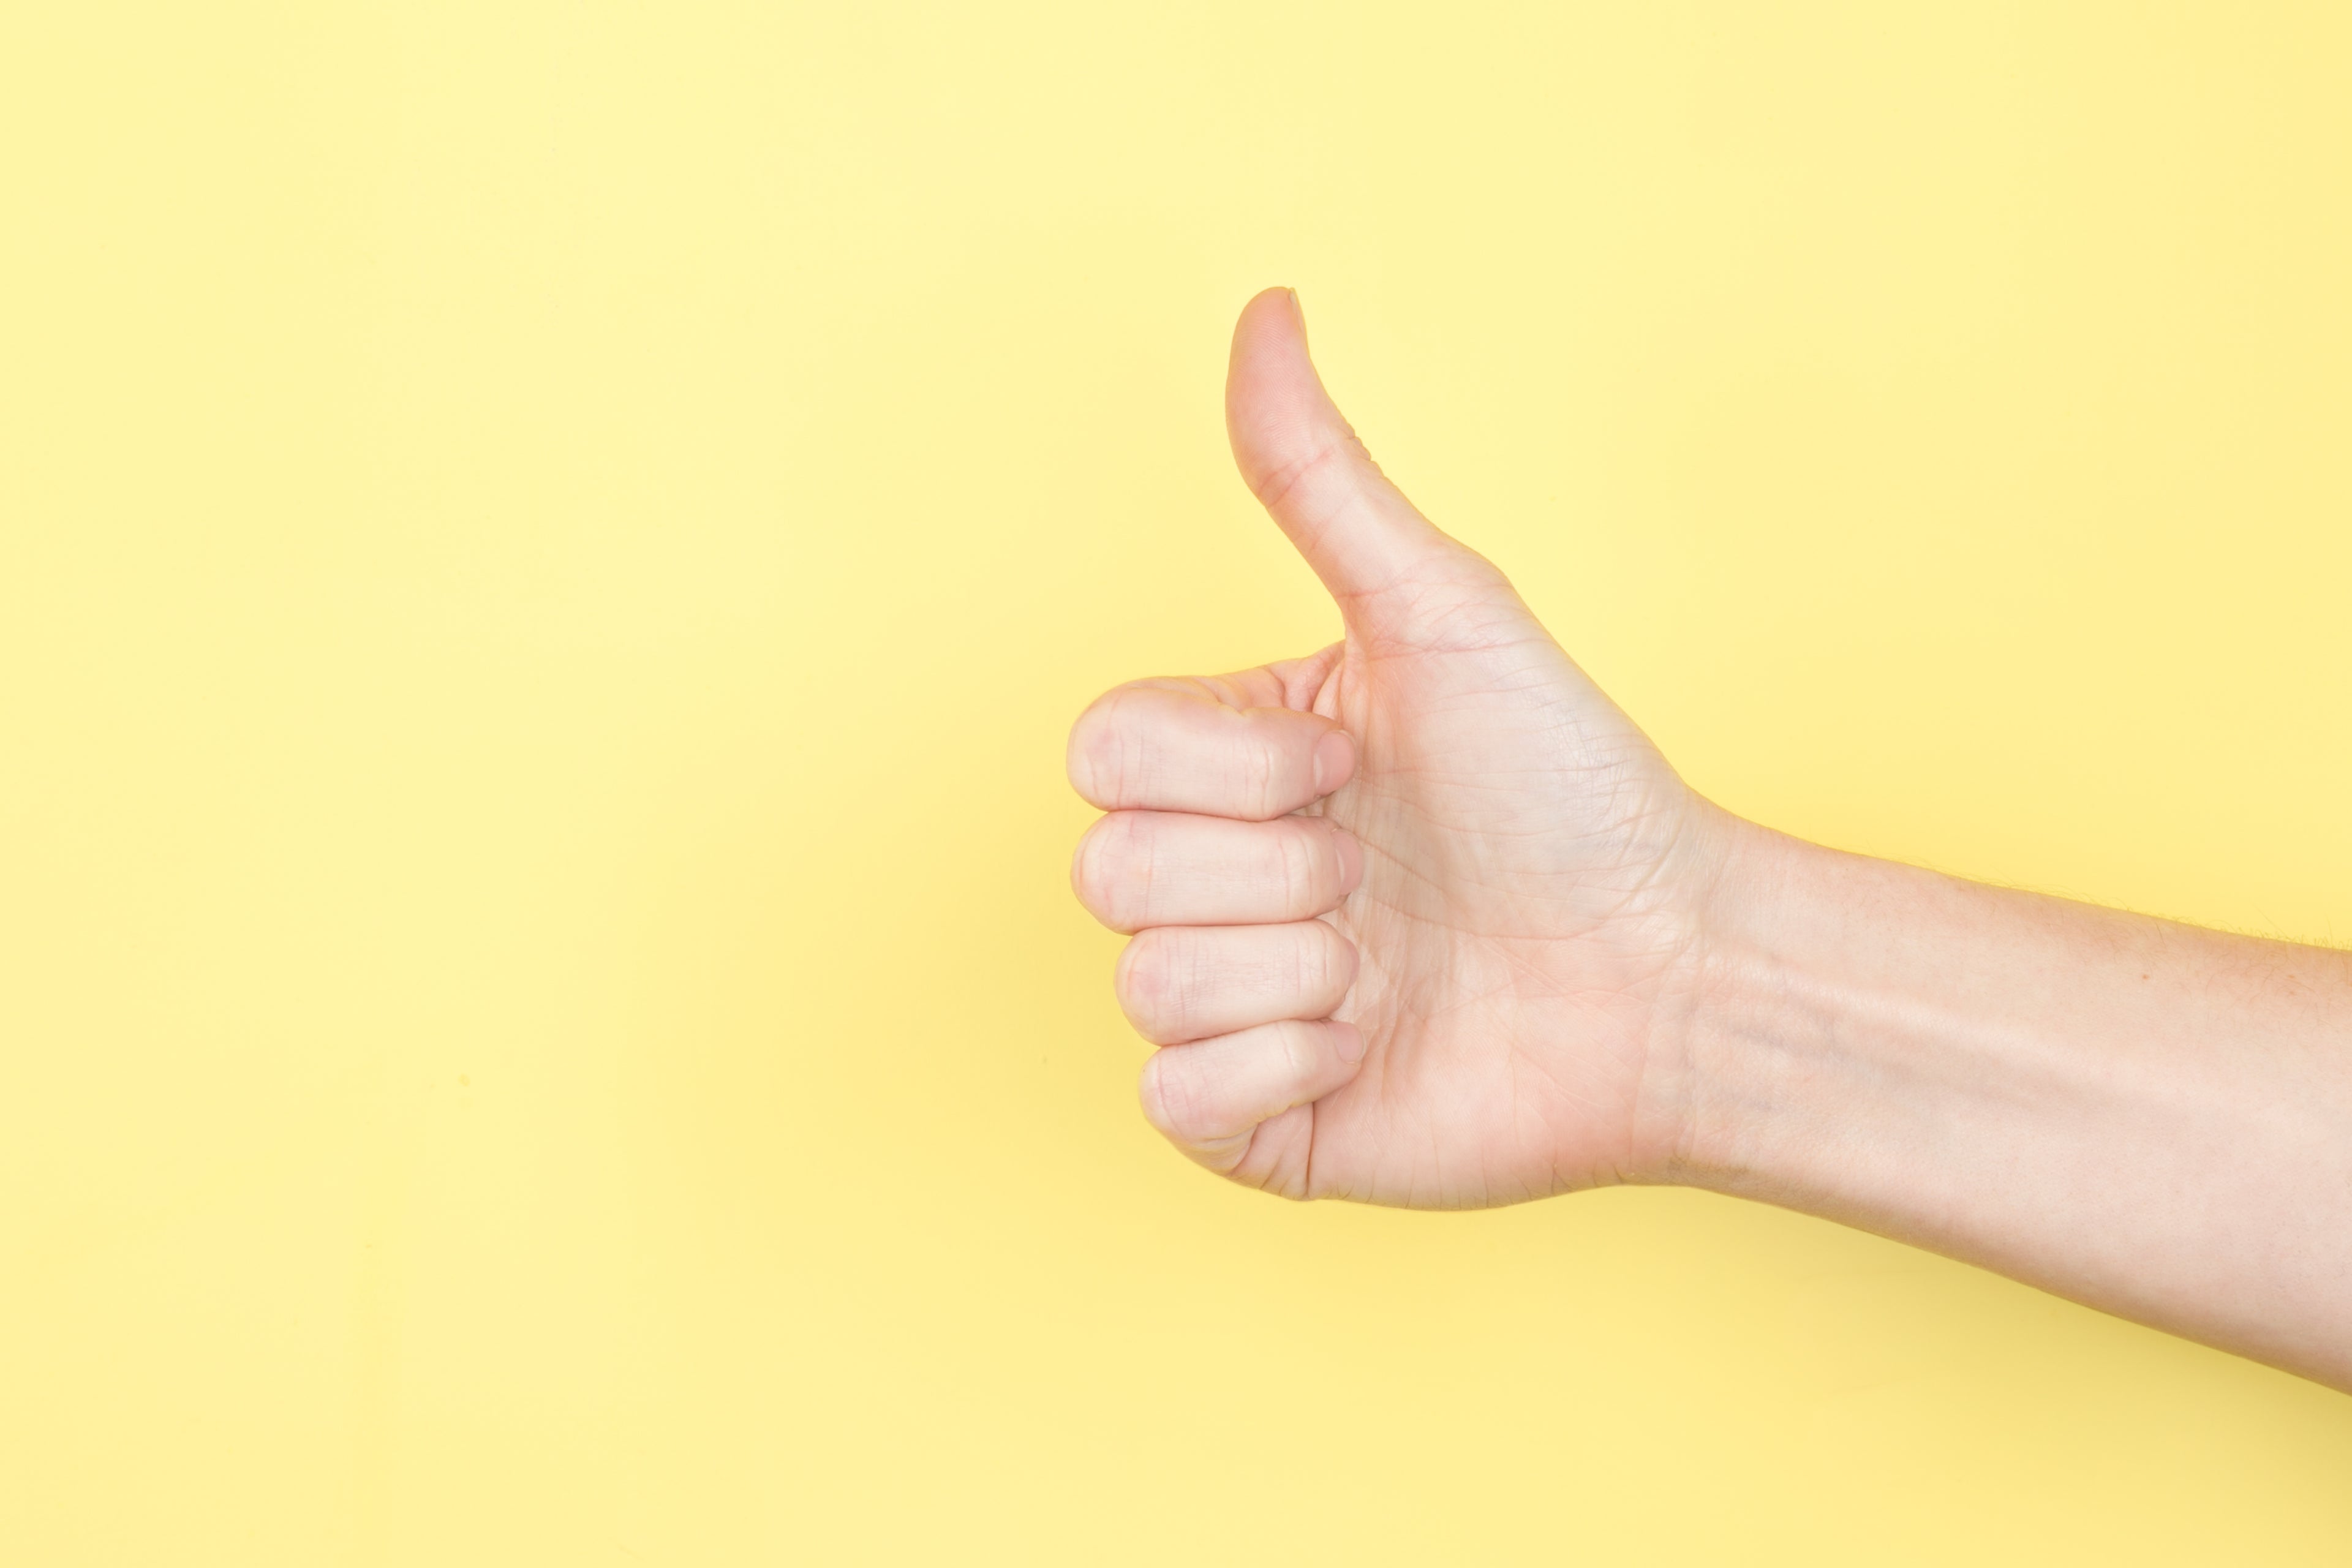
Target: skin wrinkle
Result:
[1145, 855]
[1319, 963]
[1433, 883]
[1275, 486]
[1297, 858]
[1129, 990]
[1306, 1189]
[1130, 774]
[1356, 598]
[1170, 992]
[1262, 785]
[1297, 1053]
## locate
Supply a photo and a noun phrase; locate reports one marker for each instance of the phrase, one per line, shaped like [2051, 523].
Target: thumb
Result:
[1304, 463]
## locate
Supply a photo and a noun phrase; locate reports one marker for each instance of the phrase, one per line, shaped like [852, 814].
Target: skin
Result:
[1423, 919]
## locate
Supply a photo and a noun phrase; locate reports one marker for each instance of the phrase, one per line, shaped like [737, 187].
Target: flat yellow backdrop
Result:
[546, 553]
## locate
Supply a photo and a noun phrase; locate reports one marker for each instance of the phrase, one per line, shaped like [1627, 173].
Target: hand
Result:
[1423, 919]
[1417, 918]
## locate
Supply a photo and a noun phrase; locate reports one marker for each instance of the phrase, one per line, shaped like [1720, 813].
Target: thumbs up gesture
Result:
[1419, 919]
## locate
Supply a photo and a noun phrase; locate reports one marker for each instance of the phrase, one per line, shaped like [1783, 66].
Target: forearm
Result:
[2148, 1117]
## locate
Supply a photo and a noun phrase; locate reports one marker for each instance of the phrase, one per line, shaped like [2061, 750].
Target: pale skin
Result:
[1423, 919]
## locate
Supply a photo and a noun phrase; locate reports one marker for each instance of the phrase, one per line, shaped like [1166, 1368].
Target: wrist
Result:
[1729, 871]
[1757, 1006]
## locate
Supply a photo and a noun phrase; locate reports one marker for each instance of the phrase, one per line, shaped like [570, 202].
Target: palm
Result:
[1530, 864]
[1512, 932]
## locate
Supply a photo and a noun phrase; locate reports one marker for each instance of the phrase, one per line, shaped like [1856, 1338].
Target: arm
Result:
[2146, 1117]
[1423, 919]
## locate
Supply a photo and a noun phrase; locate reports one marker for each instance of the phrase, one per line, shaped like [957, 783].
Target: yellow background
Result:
[546, 552]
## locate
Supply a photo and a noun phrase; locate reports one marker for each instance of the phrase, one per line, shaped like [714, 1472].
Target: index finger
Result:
[1173, 746]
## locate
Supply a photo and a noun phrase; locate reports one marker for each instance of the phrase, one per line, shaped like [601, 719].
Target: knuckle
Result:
[1170, 1100]
[1101, 756]
[1300, 871]
[1301, 1053]
[1112, 869]
[1085, 754]
[1261, 777]
[1086, 868]
[1147, 988]
[1316, 959]
[1308, 1052]
[1327, 963]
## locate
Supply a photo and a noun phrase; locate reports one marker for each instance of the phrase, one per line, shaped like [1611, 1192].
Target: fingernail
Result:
[1351, 859]
[1334, 759]
[1347, 1040]
[1298, 311]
